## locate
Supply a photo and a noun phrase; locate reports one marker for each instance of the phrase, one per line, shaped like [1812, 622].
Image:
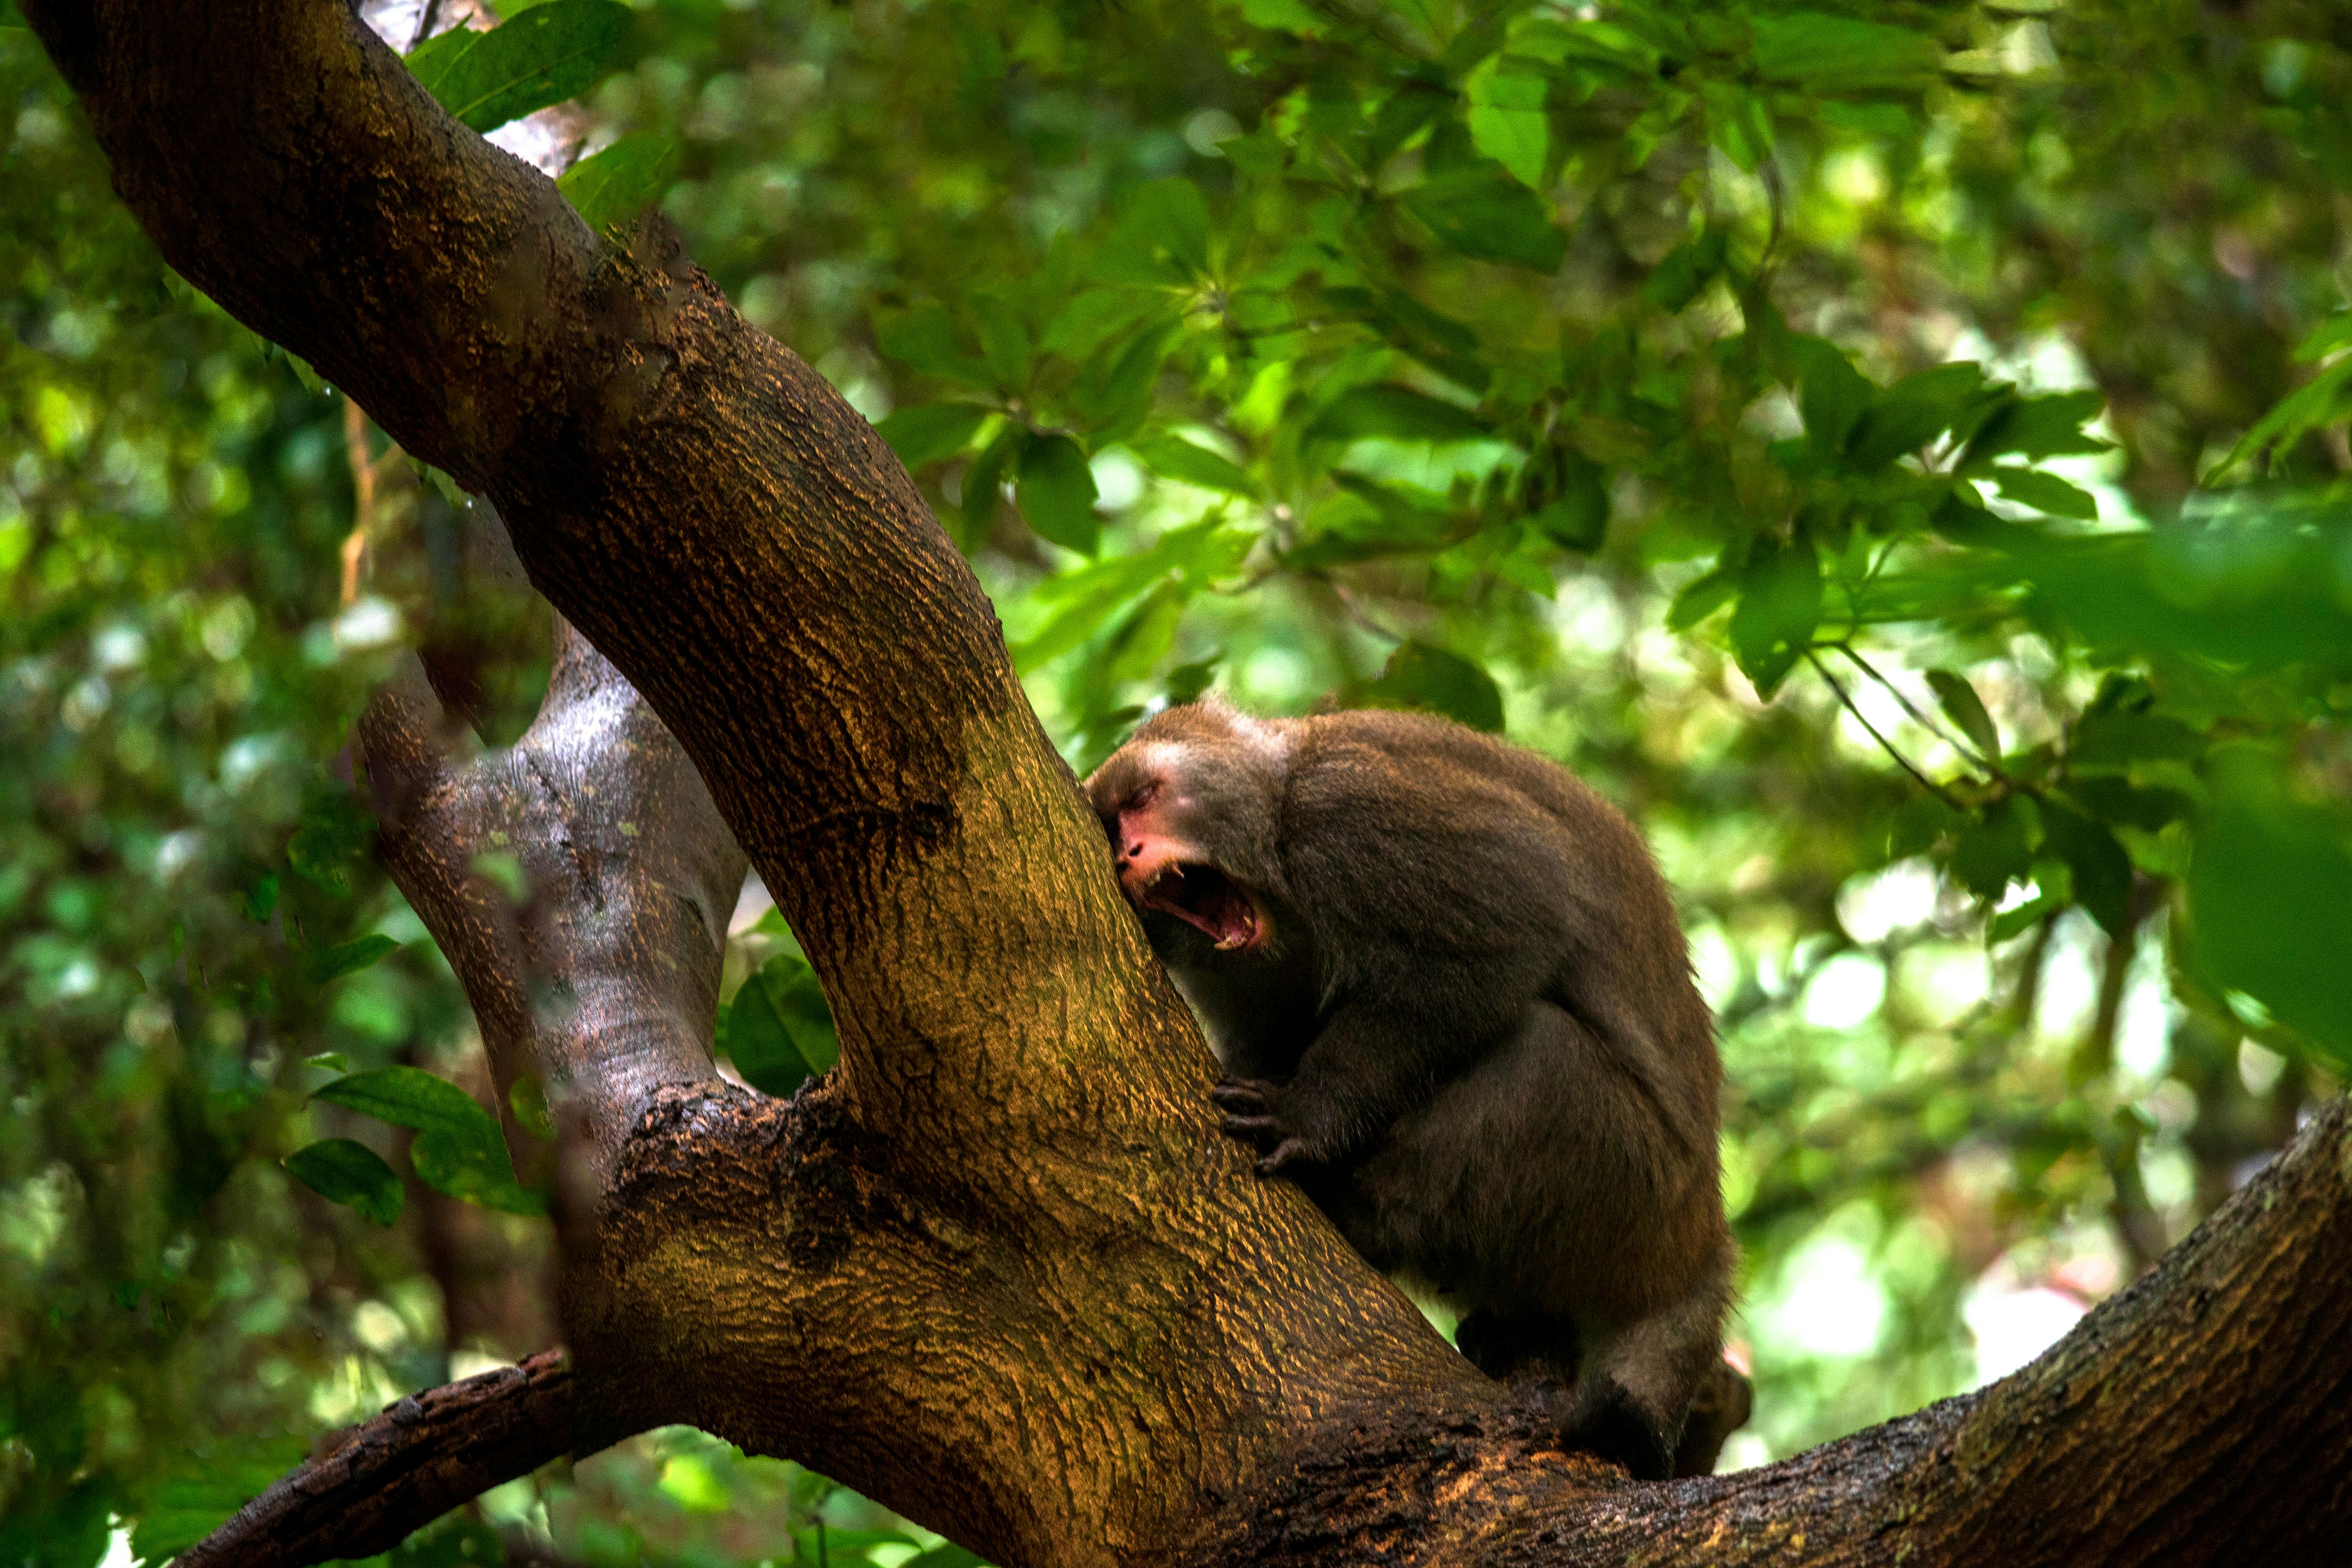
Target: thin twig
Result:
[1958, 743]
[1930, 785]
[1358, 613]
[362, 496]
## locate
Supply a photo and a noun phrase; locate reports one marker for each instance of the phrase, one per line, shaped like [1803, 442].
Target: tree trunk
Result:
[999, 1271]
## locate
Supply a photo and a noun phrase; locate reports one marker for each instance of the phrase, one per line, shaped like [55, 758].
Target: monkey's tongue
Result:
[1201, 897]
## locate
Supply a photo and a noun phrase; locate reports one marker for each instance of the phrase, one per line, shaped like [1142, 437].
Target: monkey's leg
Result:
[1519, 1347]
[1725, 1399]
[1634, 1393]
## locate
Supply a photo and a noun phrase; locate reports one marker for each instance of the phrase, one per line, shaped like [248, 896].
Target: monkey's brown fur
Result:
[1452, 998]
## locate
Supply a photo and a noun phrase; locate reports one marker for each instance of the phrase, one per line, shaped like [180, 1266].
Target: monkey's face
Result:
[1189, 824]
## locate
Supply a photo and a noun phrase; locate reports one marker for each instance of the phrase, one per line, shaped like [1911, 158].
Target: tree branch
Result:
[399, 1472]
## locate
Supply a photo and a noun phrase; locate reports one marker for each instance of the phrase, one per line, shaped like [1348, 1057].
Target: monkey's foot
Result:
[1605, 1419]
[1248, 1105]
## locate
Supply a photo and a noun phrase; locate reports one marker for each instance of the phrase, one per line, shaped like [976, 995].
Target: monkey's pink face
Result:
[1159, 867]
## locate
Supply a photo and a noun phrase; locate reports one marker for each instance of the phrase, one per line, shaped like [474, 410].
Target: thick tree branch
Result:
[602, 978]
[374, 1484]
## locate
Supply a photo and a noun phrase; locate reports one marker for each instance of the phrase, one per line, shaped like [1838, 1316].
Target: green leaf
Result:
[930, 431]
[1838, 54]
[1737, 124]
[343, 1171]
[1161, 238]
[1117, 399]
[261, 899]
[1997, 848]
[1913, 411]
[800, 1006]
[946, 1556]
[350, 957]
[2045, 492]
[614, 186]
[1780, 605]
[1398, 412]
[2034, 429]
[2325, 400]
[1701, 597]
[1187, 681]
[1055, 491]
[474, 1168]
[1506, 119]
[330, 839]
[459, 1150]
[2334, 332]
[526, 1098]
[2130, 742]
[2102, 871]
[196, 1500]
[1420, 675]
[549, 53]
[1966, 710]
[1833, 395]
[1576, 517]
[1483, 212]
[1173, 457]
[2270, 900]
[760, 1045]
[410, 1098]
[1686, 270]
[1004, 342]
[2032, 912]
[983, 485]
[925, 339]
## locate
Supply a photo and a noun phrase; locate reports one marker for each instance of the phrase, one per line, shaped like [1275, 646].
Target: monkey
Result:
[1450, 996]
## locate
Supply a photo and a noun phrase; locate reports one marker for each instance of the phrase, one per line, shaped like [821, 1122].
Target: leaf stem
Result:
[1814, 657]
[1958, 743]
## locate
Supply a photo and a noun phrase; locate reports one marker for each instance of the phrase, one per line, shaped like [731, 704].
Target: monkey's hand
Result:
[1251, 1113]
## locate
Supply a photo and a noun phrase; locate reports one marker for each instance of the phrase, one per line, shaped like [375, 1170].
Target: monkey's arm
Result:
[1373, 1061]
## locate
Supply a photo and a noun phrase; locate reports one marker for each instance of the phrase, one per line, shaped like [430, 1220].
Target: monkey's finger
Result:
[1254, 1126]
[1245, 1094]
[1282, 1154]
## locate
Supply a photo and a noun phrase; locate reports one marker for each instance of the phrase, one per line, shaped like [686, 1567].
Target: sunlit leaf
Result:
[2269, 903]
[2045, 492]
[1507, 122]
[1780, 605]
[616, 184]
[549, 53]
[1173, 457]
[1398, 412]
[1840, 54]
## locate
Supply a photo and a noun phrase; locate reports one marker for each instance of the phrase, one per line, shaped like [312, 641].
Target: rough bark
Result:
[369, 1486]
[998, 1270]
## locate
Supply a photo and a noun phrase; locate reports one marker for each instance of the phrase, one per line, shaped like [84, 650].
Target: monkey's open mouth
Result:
[1205, 897]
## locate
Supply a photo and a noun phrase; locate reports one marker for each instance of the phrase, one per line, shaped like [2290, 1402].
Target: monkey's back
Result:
[1568, 1162]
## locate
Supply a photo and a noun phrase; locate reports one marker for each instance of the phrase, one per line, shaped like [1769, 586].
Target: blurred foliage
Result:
[1898, 451]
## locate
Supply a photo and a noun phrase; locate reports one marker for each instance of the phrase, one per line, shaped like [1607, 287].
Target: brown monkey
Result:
[1452, 999]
